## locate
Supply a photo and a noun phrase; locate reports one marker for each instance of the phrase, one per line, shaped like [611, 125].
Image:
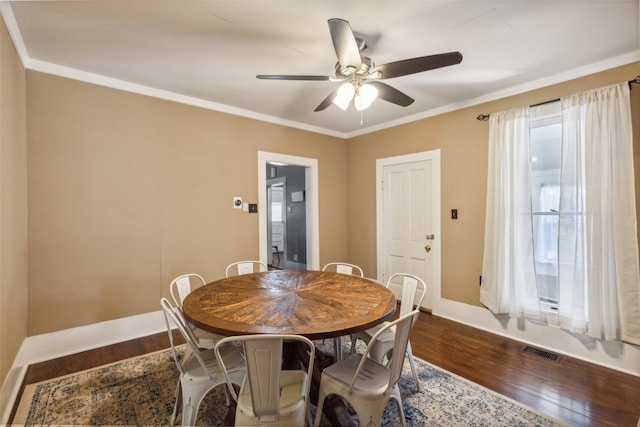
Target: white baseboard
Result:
[69, 341]
[9, 392]
[614, 355]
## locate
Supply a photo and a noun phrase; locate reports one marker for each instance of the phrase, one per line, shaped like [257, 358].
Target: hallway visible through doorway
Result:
[288, 211]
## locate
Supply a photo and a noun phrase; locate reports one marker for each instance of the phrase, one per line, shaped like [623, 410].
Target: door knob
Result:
[427, 248]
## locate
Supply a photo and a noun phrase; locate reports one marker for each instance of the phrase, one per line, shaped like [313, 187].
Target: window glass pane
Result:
[277, 203]
[545, 239]
[546, 140]
[276, 212]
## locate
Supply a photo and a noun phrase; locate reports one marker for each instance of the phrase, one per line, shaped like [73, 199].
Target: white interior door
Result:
[409, 220]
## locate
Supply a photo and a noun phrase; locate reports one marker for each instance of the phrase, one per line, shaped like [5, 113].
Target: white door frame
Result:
[433, 155]
[311, 201]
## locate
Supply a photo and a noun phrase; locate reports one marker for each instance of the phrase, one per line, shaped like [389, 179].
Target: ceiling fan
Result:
[361, 77]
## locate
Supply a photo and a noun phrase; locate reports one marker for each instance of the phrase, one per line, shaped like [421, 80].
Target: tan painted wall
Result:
[13, 204]
[463, 142]
[126, 192]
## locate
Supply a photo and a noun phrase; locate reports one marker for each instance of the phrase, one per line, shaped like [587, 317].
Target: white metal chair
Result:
[199, 369]
[411, 285]
[270, 395]
[244, 267]
[343, 268]
[182, 286]
[365, 383]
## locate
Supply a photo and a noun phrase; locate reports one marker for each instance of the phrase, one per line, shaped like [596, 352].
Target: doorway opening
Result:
[288, 223]
[276, 221]
[286, 217]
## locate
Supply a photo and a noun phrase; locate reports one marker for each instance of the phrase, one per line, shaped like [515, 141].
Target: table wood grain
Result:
[315, 304]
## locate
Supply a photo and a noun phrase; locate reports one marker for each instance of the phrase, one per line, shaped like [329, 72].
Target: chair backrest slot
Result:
[182, 286]
[244, 267]
[413, 291]
[264, 360]
[344, 268]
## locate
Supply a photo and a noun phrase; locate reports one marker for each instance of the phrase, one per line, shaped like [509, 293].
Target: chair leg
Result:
[176, 405]
[402, 418]
[337, 346]
[227, 396]
[192, 395]
[188, 416]
[320, 404]
[413, 367]
[307, 417]
[354, 341]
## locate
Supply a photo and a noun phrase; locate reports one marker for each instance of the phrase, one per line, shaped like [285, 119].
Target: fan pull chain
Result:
[361, 117]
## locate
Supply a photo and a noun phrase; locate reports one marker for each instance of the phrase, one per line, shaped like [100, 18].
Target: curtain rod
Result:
[485, 117]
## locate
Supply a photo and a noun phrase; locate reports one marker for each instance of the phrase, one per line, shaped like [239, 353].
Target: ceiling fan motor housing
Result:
[345, 72]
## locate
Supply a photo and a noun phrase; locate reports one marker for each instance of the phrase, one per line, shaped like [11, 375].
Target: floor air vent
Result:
[542, 353]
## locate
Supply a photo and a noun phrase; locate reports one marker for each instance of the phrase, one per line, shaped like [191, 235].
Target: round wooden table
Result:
[315, 304]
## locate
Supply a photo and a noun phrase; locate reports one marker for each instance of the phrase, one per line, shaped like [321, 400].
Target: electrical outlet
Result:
[253, 208]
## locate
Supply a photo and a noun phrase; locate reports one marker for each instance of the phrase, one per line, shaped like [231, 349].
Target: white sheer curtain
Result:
[598, 182]
[508, 273]
[598, 271]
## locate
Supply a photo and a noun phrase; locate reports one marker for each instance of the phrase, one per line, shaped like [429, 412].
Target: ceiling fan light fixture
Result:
[365, 96]
[344, 95]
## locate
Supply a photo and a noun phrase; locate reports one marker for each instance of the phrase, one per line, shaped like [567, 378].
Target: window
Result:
[545, 139]
[277, 198]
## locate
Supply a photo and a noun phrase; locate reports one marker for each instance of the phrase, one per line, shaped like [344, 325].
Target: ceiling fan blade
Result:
[344, 43]
[327, 101]
[288, 77]
[391, 94]
[417, 65]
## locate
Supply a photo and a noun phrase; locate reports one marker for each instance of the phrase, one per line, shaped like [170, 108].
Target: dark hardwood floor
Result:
[571, 390]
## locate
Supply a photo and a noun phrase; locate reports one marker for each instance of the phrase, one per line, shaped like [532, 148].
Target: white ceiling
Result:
[208, 52]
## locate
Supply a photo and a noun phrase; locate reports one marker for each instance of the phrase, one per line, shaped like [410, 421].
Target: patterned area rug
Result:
[140, 391]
